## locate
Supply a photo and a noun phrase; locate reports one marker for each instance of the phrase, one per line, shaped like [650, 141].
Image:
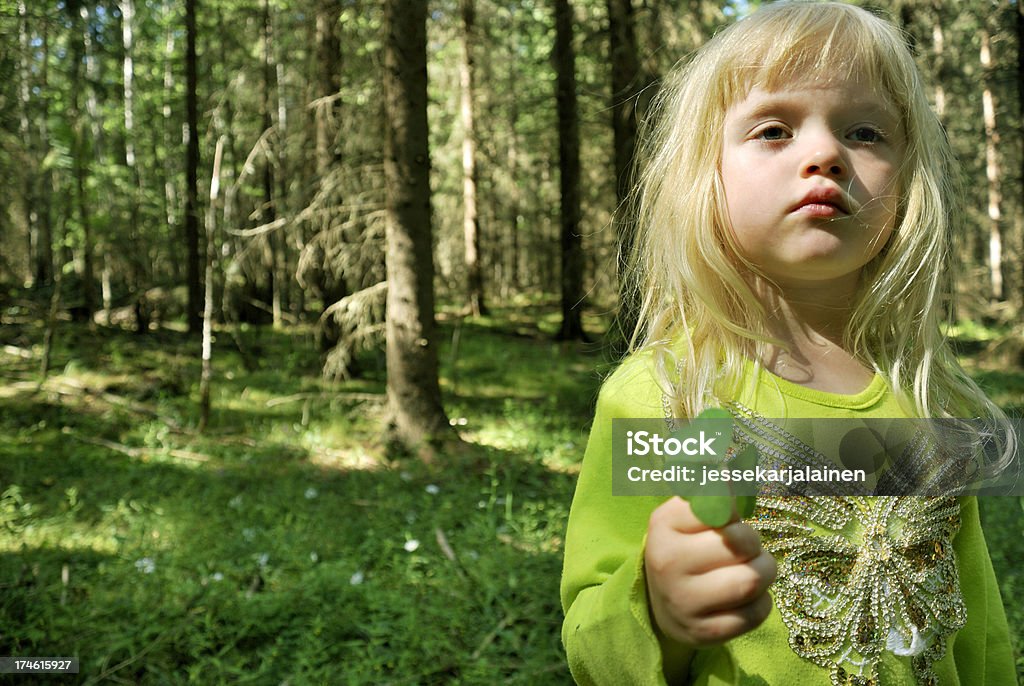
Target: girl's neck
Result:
[810, 323]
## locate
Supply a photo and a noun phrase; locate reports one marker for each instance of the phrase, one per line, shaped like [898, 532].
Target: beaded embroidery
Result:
[857, 575]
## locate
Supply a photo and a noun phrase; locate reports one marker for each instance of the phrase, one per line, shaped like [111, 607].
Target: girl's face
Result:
[810, 178]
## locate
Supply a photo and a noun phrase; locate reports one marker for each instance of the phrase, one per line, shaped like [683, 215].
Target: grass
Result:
[288, 545]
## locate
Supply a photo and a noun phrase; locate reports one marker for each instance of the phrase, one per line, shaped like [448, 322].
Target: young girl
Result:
[795, 215]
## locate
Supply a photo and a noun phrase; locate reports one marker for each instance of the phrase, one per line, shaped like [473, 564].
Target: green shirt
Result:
[608, 633]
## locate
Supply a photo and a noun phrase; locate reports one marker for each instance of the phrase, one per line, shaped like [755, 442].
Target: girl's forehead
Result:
[855, 84]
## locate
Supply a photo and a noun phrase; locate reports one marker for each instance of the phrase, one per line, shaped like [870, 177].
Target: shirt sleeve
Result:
[982, 646]
[608, 633]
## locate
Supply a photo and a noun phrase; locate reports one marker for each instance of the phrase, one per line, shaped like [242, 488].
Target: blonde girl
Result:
[795, 216]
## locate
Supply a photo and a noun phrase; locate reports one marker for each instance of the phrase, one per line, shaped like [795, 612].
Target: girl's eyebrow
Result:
[783, 103]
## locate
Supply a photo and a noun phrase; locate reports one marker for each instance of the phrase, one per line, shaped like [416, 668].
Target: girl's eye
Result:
[772, 133]
[866, 134]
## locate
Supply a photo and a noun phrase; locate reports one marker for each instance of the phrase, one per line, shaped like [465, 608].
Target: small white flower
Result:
[146, 565]
[463, 421]
[432, 489]
[356, 578]
[313, 557]
[262, 559]
[412, 545]
[311, 493]
[217, 576]
[481, 504]
[249, 534]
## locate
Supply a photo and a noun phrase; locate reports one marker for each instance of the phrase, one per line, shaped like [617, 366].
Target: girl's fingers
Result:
[735, 586]
[721, 626]
[733, 544]
[676, 514]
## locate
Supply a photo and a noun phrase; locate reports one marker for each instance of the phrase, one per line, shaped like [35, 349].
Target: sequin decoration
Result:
[859, 576]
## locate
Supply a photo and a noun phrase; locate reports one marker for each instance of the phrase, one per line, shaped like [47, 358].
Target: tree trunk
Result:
[45, 268]
[995, 240]
[470, 218]
[79, 160]
[625, 91]
[192, 275]
[268, 213]
[135, 260]
[939, 51]
[328, 59]
[28, 181]
[1020, 138]
[569, 170]
[170, 189]
[414, 395]
[206, 375]
[329, 280]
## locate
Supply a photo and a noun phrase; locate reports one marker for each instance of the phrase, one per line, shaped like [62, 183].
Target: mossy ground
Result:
[289, 543]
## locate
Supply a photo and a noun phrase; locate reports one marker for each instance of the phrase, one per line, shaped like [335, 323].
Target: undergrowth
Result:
[287, 544]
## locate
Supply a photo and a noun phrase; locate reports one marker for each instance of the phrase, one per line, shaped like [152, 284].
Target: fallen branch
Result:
[366, 397]
[133, 452]
[18, 352]
[489, 638]
[62, 387]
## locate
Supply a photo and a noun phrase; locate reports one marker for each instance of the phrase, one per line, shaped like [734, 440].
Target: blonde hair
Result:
[685, 271]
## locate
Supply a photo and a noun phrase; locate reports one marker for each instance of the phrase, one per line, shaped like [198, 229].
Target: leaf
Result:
[713, 510]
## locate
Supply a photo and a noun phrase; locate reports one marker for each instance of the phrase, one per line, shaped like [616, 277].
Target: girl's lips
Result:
[819, 209]
[822, 202]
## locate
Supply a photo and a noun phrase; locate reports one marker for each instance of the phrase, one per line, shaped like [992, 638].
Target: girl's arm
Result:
[608, 634]
[644, 581]
[982, 647]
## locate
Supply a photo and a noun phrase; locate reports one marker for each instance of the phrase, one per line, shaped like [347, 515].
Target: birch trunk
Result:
[995, 237]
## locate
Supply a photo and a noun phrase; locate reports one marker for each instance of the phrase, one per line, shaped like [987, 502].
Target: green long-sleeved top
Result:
[927, 608]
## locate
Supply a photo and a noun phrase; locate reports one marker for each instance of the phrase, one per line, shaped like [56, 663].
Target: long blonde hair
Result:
[684, 270]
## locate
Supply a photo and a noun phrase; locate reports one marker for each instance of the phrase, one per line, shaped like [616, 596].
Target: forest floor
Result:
[289, 543]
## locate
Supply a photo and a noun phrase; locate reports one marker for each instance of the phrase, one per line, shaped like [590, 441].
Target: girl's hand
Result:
[705, 585]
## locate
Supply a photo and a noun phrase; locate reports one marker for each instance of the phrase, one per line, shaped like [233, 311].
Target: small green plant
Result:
[718, 505]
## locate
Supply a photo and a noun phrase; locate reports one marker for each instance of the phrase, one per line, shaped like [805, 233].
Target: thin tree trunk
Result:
[1020, 139]
[939, 50]
[192, 172]
[45, 268]
[329, 279]
[170, 189]
[79, 154]
[625, 91]
[135, 261]
[28, 181]
[206, 375]
[414, 395]
[269, 211]
[514, 199]
[470, 218]
[569, 170]
[995, 240]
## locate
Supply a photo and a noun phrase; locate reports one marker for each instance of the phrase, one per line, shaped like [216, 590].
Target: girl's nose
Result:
[825, 159]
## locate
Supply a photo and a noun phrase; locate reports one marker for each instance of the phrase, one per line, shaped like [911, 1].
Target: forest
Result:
[305, 305]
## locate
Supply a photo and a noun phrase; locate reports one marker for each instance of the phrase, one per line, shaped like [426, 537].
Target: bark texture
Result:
[414, 395]
[569, 170]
